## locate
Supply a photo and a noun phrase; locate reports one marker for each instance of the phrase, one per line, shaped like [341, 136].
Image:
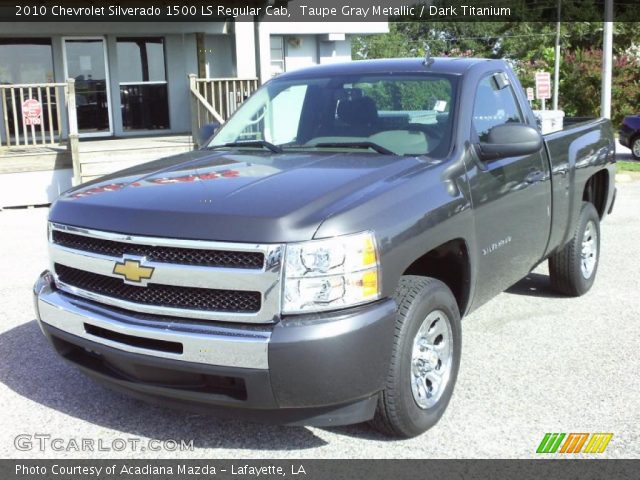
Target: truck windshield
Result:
[384, 114]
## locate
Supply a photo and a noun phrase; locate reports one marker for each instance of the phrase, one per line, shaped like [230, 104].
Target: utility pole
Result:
[556, 67]
[607, 63]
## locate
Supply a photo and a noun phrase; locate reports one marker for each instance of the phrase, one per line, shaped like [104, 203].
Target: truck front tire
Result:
[573, 268]
[425, 358]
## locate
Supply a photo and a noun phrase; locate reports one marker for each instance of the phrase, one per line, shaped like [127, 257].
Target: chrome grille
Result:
[180, 256]
[161, 295]
[219, 281]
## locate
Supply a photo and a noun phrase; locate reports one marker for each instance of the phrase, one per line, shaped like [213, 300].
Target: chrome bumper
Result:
[200, 343]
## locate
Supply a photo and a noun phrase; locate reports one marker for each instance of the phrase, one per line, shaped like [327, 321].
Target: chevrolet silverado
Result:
[311, 262]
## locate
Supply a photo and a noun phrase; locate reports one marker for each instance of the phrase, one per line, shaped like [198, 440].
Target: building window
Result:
[219, 56]
[26, 60]
[143, 83]
[277, 55]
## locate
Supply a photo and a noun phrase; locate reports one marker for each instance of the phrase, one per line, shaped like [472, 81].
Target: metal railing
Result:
[214, 100]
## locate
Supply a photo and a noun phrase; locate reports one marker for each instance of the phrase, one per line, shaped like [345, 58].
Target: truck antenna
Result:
[428, 59]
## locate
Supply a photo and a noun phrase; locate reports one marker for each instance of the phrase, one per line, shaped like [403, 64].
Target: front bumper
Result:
[321, 369]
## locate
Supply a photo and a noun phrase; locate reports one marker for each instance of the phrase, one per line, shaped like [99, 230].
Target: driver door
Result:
[511, 196]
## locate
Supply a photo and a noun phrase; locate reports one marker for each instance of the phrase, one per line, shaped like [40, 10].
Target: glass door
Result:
[85, 60]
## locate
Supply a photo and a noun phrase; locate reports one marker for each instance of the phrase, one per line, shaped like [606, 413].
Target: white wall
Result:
[351, 28]
[33, 188]
[300, 51]
[312, 34]
[181, 54]
[334, 52]
[245, 49]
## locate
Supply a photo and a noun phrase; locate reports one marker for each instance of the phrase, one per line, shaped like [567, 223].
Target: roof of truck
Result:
[447, 65]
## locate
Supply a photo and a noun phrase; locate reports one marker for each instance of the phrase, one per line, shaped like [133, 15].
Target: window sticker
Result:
[440, 106]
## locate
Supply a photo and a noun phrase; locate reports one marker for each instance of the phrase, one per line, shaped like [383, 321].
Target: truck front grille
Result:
[180, 256]
[161, 295]
[171, 278]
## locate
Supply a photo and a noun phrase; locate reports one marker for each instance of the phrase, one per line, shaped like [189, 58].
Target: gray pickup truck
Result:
[310, 264]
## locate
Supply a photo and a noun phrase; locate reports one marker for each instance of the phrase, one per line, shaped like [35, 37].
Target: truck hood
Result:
[228, 196]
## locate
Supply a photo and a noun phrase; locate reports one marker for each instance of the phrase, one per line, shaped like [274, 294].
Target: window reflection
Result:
[141, 59]
[144, 106]
[26, 60]
[86, 64]
[143, 83]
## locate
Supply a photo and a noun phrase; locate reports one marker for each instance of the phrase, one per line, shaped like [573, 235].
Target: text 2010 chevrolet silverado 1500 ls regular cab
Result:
[312, 262]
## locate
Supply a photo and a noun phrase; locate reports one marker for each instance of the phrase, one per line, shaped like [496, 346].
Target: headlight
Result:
[329, 274]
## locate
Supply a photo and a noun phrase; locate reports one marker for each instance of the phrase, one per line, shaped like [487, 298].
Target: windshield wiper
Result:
[367, 145]
[250, 143]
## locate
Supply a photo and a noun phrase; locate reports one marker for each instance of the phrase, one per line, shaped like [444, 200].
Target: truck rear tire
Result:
[425, 358]
[573, 268]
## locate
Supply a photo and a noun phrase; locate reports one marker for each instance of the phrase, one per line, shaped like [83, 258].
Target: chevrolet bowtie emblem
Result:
[132, 271]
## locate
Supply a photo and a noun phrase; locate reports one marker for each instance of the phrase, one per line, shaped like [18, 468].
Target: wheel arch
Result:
[596, 191]
[449, 263]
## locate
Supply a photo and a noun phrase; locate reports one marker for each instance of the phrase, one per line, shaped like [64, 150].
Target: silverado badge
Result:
[132, 271]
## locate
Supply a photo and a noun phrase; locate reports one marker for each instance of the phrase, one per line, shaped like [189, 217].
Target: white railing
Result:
[214, 100]
[57, 103]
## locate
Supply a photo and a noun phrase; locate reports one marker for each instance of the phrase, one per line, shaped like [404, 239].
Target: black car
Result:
[630, 134]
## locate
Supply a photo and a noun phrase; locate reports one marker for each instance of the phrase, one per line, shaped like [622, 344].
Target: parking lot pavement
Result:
[532, 363]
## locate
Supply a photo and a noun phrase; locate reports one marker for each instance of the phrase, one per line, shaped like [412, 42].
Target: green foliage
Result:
[628, 166]
[407, 95]
[530, 48]
[626, 87]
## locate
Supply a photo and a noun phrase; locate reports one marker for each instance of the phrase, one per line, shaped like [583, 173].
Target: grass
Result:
[627, 166]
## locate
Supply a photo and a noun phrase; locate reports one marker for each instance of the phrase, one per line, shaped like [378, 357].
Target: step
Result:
[96, 163]
[34, 161]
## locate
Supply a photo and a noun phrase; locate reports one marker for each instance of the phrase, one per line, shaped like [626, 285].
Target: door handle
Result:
[535, 177]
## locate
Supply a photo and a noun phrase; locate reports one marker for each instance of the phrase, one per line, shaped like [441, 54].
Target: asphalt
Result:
[532, 362]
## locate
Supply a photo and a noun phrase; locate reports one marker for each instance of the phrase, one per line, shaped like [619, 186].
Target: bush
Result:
[580, 83]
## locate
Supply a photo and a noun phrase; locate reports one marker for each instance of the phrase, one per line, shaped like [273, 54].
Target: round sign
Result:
[31, 109]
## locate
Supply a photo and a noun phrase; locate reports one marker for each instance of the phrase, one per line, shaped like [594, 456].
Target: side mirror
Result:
[510, 140]
[206, 132]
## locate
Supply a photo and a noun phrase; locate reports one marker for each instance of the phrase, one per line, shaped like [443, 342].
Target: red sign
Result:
[543, 85]
[32, 112]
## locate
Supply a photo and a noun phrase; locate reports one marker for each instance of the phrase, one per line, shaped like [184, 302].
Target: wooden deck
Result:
[34, 159]
[101, 157]
[97, 157]
[135, 143]
[37, 174]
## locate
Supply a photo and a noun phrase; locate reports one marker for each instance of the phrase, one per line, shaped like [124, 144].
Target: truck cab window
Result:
[263, 118]
[401, 114]
[494, 106]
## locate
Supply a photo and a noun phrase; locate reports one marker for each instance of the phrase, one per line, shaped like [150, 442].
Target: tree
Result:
[529, 48]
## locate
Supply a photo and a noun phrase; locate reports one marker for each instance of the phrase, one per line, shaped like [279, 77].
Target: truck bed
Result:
[575, 153]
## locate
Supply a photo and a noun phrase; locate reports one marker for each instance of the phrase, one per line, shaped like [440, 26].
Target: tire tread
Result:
[564, 264]
[409, 287]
